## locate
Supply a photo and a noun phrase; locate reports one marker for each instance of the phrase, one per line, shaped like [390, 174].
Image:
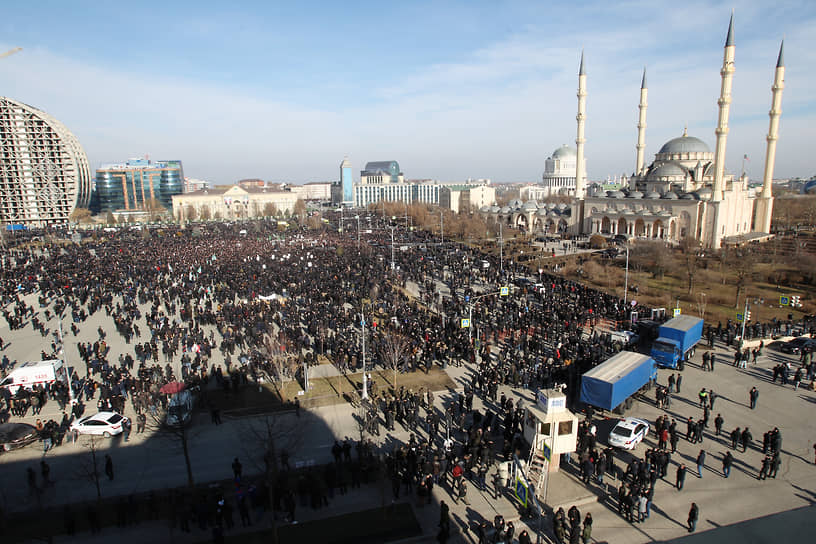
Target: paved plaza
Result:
[147, 462]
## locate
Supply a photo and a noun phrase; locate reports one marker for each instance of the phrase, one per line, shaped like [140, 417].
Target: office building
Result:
[130, 186]
[44, 172]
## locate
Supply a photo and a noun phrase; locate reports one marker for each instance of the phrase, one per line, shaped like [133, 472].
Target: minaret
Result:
[580, 167]
[641, 141]
[765, 201]
[727, 74]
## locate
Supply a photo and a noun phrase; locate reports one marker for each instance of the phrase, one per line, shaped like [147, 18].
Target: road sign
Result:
[504, 291]
[465, 323]
[784, 301]
[740, 317]
[676, 312]
[521, 491]
[546, 452]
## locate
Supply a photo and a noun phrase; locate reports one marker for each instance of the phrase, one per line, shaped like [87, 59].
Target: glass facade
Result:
[129, 186]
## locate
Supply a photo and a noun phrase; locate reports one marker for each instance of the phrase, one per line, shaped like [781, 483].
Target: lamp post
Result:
[364, 395]
[64, 362]
[501, 250]
[442, 227]
[357, 217]
[392, 248]
[626, 277]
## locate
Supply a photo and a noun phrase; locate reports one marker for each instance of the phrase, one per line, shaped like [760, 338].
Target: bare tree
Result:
[177, 437]
[206, 213]
[190, 212]
[741, 261]
[394, 350]
[690, 248]
[89, 469]
[81, 215]
[267, 442]
[154, 208]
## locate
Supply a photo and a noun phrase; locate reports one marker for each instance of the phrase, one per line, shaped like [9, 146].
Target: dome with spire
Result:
[684, 144]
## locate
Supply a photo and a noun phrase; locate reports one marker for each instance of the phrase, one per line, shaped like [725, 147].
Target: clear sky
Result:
[451, 90]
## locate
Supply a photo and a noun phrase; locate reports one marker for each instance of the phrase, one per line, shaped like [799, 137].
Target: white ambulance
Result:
[32, 373]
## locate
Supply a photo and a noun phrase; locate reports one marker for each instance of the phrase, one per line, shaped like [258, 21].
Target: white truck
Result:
[32, 373]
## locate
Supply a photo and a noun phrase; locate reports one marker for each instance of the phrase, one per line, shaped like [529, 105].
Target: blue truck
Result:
[611, 384]
[676, 340]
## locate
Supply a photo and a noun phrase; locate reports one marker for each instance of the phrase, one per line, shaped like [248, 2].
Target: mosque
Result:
[684, 192]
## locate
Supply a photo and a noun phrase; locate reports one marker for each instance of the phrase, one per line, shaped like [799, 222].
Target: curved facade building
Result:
[44, 172]
[128, 186]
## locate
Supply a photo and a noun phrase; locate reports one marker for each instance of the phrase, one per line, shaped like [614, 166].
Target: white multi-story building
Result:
[383, 181]
[44, 172]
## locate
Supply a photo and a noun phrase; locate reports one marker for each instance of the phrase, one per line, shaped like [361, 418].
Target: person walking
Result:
[694, 515]
[700, 463]
[718, 423]
[681, 477]
[746, 438]
[237, 469]
[735, 436]
[586, 534]
[109, 467]
[679, 381]
[753, 395]
[727, 461]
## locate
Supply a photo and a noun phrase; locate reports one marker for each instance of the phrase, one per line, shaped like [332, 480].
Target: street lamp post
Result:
[392, 248]
[626, 277]
[65, 362]
[501, 250]
[357, 217]
[442, 227]
[364, 396]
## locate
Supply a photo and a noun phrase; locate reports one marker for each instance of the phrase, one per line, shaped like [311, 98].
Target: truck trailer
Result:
[611, 384]
[676, 340]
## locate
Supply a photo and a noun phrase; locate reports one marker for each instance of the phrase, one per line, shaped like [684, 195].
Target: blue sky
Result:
[451, 90]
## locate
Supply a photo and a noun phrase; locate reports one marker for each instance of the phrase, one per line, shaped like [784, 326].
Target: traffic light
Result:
[747, 315]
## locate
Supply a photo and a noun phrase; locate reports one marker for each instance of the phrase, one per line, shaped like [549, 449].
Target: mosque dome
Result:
[667, 169]
[484, 209]
[515, 203]
[506, 209]
[495, 209]
[615, 194]
[669, 196]
[530, 205]
[685, 144]
[652, 196]
[564, 152]
[635, 194]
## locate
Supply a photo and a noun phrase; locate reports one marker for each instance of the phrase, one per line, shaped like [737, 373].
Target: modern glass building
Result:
[129, 186]
[346, 181]
[44, 172]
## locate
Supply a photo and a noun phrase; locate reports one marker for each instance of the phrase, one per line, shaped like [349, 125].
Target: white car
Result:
[628, 433]
[106, 424]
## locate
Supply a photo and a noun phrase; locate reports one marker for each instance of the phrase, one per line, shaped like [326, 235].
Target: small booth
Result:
[550, 428]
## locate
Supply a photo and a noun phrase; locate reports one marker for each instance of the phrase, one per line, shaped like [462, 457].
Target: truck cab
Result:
[666, 352]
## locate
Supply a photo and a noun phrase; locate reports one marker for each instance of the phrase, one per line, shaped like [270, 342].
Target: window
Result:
[544, 428]
[565, 427]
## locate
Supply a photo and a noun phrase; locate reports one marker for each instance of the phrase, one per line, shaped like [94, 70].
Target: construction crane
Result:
[11, 52]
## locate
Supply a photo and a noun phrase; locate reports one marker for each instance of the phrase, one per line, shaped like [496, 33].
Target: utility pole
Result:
[442, 227]
[357, 217]
[744, 320]
[65, 362]
[626, 277]
[364, 396]
[501, 250]
[392, 248]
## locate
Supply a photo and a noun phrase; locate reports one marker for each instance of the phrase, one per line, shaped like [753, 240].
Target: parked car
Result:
[106, 424]
[797, 345]
[624, 338]
[628, 433]
[16, 435]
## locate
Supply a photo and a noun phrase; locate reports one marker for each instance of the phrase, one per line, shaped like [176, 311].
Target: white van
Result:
[180, 409]
[35, 372]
